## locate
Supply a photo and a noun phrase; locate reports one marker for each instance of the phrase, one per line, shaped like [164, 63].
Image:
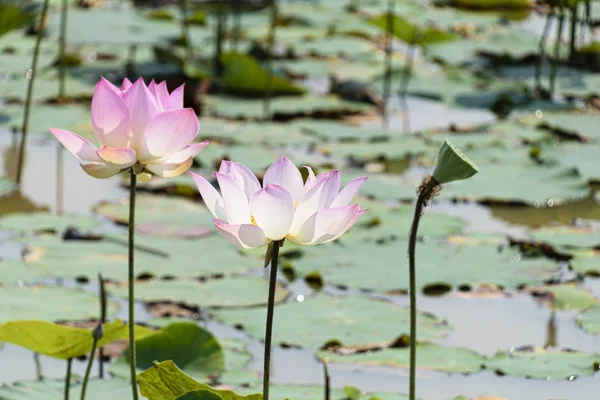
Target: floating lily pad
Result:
[576, 125]
[232, 292]
[568, 236]
[315, 392]
[285, 106]
[349, 320]
[250, 133]
[255, 158]
[586, 263]
[156, 257]
[589, 320]
[570, 297]
[51, 389]
[580, 156]
[237, 358]
[431, 357]
[544, 364]
[439, 263]
[48, 304]
[195, 350]
[73, 118]
[393, 222]
[164, 216]
[46, 222]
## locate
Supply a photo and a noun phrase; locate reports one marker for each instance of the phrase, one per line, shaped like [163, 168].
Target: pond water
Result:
[485, 322]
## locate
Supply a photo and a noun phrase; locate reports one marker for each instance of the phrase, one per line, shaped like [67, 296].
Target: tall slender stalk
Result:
[387, 80]
[236, 31]
[573, 35]
[68, 379]
[38, 366]
[542, 48]
[102, 321]
[426, 191]
[219, 27]
[29, 98]
[327, 381]
[131, 277]
[88, 369]
[62, 44]
[185, 29]
[269, 61]
[59, 179]
[556, 58]
[407, 72]
[273, 250]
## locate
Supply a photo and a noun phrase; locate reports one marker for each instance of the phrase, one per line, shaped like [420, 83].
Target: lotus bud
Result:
[452, 165]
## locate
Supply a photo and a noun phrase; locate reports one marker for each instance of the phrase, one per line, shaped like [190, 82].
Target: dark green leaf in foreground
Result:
[12, 17]
[200, 395]
[191, 347]
[245, 76]
[52, 389]
[164, 381]
[61, 341]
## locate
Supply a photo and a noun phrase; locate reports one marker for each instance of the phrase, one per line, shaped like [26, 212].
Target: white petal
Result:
[285, 174]
[312, 201]
[347, 194]
[325, 225]
[246, 236]
[110, 117]
[170, 170]
[332, 187]
[234, 199]
[245, 178]
[170, 131]
[143, 107]
[210, 196]
[273, 211]
[310, 180]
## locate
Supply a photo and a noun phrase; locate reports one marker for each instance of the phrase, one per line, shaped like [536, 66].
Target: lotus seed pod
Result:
[452, 165]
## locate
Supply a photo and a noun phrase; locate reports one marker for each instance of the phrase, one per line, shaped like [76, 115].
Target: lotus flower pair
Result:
[249, 215]
[136, 125]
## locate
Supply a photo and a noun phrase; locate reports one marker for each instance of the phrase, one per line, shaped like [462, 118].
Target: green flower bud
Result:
[452, 165]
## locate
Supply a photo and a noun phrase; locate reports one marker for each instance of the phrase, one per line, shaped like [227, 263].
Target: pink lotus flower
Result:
[137, 125]
[310, 213]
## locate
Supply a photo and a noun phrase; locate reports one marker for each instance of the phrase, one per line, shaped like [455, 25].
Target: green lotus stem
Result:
[407, 72]
[29, 98]
[273, 255]
[542, 47]
[38, 366]
[387, 80]
[269, 61]
[68, 379]
[327, 381]
[88, 369]
[426, 191]
[62, 40]
[237, 25]
[556, 58]
[101, 321]
[573, 35]
[185, 29]
[59, 179]
[131, 277]
[219, 39]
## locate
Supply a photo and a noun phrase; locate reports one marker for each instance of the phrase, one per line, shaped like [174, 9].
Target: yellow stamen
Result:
[253, 220]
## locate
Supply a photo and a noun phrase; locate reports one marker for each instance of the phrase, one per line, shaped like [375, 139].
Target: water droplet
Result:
[29, 74]
[539, 114]
[425, 239]
[550, 203]
[92, 57]
[300, 298]
[124, 201]
[517, 258]
[536, 204]
[511, 349]
[572, 378]
[21, 283]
